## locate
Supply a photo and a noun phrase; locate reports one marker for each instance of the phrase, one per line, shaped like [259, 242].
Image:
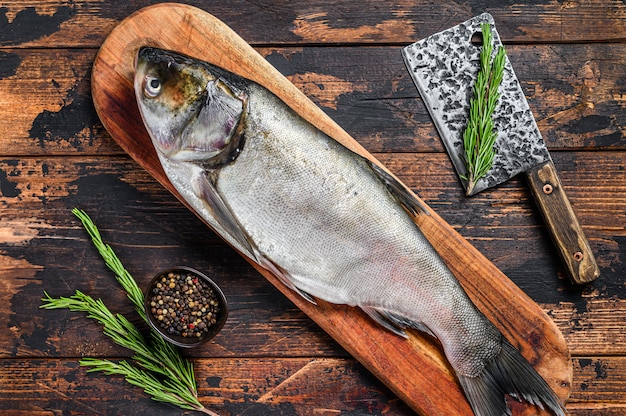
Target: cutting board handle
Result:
[562, 223]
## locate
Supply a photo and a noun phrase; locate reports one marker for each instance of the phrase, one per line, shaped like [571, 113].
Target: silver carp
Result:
[327, 222]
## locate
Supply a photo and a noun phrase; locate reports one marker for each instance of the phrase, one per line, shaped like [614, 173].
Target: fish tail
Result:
[508, 373]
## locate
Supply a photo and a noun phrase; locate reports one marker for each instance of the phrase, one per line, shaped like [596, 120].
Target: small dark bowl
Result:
[179, 340]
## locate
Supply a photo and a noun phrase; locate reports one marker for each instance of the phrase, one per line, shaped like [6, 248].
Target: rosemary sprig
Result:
[158, 367]
[479, 137]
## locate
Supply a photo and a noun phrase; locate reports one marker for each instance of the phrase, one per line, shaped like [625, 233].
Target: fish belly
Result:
[319, 212]
[316, 209]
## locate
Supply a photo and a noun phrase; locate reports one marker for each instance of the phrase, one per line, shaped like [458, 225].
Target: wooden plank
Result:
[573, 90]
[593, 328]
[85, 23]
[51, 91]
[150, 229]
[400, 364]
[600, 379]
[595, 181]
[294, 386]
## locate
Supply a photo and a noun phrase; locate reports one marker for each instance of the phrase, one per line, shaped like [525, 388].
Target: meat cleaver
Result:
[444, 67]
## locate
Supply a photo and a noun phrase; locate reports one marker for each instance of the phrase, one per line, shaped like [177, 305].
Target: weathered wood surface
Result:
[408, 367]
[261, 386]
[575, 92]
[270, 358]
[78, 23]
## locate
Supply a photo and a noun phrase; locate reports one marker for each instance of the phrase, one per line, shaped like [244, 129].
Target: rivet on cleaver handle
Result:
[444, 67]
[561, 220]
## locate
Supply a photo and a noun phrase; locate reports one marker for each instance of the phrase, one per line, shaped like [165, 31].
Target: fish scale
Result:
[324, 220]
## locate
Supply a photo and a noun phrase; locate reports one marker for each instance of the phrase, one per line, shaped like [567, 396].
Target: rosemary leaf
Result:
[148, 382]
[164, 352]
[112, 261]
[479, 136]
[158, 367]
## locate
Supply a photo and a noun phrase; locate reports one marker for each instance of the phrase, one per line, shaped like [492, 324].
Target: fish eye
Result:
[152, 86]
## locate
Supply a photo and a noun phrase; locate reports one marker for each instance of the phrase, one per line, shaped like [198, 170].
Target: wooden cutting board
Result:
[415, 369]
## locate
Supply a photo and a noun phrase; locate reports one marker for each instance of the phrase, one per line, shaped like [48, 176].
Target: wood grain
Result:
[150, 229]
[85, 23]
[406, 367]
[307, 386]
[565, 229]
[570, 58]
[366, 90]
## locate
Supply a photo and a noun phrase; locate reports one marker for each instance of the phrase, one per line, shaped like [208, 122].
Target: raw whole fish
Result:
[326, 221]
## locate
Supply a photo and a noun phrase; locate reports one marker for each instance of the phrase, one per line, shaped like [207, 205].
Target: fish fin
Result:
[284, 277]
[406, 323]
[382, 319]
[205, 190]
[396, 323]
[406, 198]
[508, 373]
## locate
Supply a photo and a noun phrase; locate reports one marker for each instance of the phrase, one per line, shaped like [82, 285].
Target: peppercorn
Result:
[184, 305]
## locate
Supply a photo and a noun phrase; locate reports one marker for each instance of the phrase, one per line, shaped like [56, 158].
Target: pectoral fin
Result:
[406, 198]
[205, 190]
[284, 277]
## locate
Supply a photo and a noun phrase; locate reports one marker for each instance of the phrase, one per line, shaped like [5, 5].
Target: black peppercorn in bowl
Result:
[185, 306]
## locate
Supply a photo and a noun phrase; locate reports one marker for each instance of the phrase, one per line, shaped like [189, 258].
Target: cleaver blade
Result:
[444, 67]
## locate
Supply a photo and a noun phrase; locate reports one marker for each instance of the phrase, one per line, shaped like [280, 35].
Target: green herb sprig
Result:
[479, 137]
[158, 367]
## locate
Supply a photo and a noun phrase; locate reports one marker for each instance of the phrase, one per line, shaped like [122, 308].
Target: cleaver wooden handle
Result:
[561, 220]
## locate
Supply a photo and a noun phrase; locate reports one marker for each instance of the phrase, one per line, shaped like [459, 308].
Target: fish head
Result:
[189, 108]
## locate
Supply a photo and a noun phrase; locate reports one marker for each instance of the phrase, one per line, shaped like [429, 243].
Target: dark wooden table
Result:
[270, 359]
